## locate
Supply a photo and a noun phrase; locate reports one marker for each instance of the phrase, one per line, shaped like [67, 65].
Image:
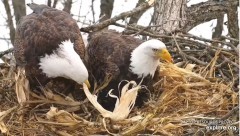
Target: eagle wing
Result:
[37, 34]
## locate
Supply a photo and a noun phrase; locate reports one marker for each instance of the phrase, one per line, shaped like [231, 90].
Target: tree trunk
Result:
[49, 2]
[232, 15]
[67, 6]
[93, 12]
[206, 11]
[9, 20]
[219, 28]
[55, 3]
[106, 8]
[217, 33]
[170, 15]
[19, 9]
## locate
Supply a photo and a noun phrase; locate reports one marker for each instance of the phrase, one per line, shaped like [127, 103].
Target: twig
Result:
[196, 60]
[208, 40]
[179, 49]
[93, 12]
[2, 38]
[79, 12]
[230, 113]
[228, 60]
[230, 38]
[6, 52]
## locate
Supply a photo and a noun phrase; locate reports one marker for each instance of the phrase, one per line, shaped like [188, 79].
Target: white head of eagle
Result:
[64, 62]
[145, 58]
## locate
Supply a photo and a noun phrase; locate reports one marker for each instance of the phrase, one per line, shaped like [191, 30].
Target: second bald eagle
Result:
[113, 57]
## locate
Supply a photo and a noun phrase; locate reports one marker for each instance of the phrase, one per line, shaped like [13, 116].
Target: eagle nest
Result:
[186, 101]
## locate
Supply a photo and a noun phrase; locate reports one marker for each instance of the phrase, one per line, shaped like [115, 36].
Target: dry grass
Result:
[183, 103]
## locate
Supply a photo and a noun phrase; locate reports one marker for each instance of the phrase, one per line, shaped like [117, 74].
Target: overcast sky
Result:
[84, 14]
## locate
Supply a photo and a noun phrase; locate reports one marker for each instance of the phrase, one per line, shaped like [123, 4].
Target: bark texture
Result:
[19, 9]
[106, 8]
[232, 14]
[169, 15]
[173, 15]
[9, 20]
[206, 11]
[219, 28]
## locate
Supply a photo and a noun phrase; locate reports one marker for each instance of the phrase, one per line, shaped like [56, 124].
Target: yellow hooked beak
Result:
[165, 55]
[87, 83]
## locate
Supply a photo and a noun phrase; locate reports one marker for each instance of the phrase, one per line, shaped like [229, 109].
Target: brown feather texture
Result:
[40, 35]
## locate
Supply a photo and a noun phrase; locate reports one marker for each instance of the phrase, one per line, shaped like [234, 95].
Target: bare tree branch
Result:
[206, 11]
[232, 15]
[93, 12]
[219, 28]
[49, 2]
[106, 8]
[9, 20]
[19, 9]
[67, 6]
[216, 35]
[136, 17]
[6, 52]
[3, 38]
[55, 3]
[123, 15]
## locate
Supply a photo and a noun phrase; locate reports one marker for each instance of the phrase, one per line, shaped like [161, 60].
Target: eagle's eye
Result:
[154, 49]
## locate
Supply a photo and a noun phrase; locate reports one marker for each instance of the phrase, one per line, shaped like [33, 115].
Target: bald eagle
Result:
[49, 45]
[113, 57]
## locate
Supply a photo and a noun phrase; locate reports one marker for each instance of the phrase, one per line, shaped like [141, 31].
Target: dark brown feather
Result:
[40, 33]
[109, 52]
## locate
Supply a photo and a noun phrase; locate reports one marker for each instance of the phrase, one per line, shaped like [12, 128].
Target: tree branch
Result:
[49, 2]
[106, 8]
[67, 6]
[232, 24]
[6, 52]
[19, 9]
[55, 3]
[123, 15]
[9, 20]
[219, 28]
[134, 19]
[93, 12]
[206, 11]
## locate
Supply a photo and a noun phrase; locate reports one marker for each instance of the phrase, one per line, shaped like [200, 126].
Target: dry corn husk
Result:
[123, 105]
[22, 87]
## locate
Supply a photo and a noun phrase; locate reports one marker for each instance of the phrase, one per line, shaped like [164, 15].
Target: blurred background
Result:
[87, 12]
